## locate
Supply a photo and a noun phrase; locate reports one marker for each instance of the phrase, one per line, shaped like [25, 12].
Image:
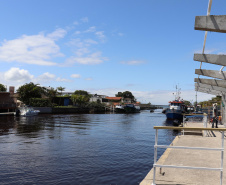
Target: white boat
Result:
[127, 108]
[28, 111]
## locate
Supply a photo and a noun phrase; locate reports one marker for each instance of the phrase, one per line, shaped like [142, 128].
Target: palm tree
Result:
[61, 89]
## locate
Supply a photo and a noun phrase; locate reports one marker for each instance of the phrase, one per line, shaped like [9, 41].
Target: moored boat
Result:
[127, 108]
[27, 111]
[176, 108]
[119, 109]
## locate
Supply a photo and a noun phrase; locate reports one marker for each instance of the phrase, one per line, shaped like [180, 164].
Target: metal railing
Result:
[192, 148]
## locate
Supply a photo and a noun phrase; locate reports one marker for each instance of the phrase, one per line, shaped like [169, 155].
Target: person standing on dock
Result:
[215, 115]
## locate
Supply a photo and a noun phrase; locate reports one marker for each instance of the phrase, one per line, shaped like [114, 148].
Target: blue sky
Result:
[104, 46]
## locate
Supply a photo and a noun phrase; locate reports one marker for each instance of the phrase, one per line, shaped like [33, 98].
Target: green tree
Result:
[2, 88]
[61, 89]
[120, 94]
[80, 97]
[28, 91]
[51, 93]
[126, 94]
[209, 103]
[186, 102]
[81, 92]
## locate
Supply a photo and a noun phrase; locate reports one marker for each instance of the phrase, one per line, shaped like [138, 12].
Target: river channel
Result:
[80, 148]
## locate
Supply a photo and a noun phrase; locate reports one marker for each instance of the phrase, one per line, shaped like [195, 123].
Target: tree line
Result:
[35, 95]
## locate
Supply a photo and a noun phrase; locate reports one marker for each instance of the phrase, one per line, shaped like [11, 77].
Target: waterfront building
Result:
[8, 100]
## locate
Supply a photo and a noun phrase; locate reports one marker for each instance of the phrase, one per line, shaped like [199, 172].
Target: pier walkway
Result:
[194, 158]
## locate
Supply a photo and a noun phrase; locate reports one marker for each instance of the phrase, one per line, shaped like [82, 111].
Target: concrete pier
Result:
[194, 158]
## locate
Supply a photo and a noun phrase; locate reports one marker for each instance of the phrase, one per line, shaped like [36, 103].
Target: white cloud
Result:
[63, 80]
[90, 41]
[76, 23]
[35, 49]
[100, 35]
[45, 77]
[17, 75]
[91, 29]
[48, 77]
[88, 79]
[81, 43]
[77, 32]
[94, 58]
[57, 34]
[133, 62]
[85, 19]
[82, 47]
[80, 52]
[75, 76]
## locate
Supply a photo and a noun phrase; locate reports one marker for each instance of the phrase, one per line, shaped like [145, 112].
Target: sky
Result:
[107, 46]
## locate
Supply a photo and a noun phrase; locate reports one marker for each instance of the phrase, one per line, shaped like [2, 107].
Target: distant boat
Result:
[127, 108]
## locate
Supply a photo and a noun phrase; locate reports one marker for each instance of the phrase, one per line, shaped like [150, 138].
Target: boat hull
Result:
[129, 108]
[174, 114]
[119, 110]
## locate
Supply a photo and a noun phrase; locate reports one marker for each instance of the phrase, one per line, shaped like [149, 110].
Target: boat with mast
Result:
[176, 107]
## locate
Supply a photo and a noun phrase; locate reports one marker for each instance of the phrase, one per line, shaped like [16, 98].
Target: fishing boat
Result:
[176, 107]
[175, 110]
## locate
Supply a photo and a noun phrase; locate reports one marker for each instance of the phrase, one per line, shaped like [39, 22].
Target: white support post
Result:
[205, 124]
[222, 156]
[155, 156]
[183, 124]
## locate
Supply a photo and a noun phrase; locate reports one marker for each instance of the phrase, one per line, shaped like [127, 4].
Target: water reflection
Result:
[79, 148]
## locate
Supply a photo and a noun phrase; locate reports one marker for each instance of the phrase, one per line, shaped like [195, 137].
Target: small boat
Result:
[27, 111]
[127, 108]
[119, 109]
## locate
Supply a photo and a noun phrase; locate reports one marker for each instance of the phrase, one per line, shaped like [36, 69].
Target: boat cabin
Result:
[176, 105]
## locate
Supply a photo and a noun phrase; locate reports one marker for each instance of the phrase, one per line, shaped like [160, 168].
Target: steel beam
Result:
[216, 23]
[211, 58]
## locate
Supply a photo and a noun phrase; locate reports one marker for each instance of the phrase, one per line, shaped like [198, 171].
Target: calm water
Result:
[79, 148]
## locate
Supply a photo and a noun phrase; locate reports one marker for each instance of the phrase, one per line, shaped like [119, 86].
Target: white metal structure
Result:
[192, 148]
